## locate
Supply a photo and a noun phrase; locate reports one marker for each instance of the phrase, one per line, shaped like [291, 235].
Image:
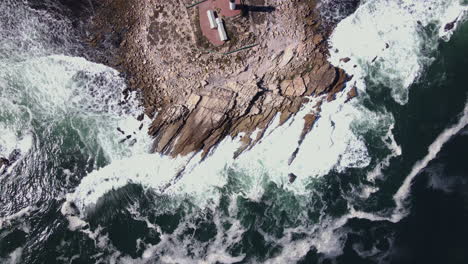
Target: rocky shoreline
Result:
[196, 93]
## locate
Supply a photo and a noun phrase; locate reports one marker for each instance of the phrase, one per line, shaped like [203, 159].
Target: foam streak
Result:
[402, 194]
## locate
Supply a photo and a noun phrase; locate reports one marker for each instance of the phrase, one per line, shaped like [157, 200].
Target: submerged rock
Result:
[451, 25]
[345, 60]
[292, 177]
[4, 162]
[14, 156]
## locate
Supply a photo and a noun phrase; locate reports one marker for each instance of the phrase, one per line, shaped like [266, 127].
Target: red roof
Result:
[225, 11]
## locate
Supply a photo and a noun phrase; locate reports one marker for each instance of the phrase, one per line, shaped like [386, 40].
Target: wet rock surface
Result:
[292, 177]
[451, 25]
[197, 93]
[4, 162]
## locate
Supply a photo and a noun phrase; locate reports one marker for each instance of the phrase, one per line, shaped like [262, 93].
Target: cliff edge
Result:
[197, 92]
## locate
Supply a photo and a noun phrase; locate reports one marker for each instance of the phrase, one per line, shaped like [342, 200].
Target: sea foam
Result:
[331, 145]
[401, 196]
[335, 142]
[390, 42]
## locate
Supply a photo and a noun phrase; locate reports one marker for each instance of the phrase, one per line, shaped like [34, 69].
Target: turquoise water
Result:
[80, 191]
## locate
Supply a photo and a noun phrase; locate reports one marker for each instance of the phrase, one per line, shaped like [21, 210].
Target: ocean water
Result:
[381, 178]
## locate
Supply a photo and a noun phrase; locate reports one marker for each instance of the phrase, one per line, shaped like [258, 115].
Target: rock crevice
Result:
[198, 93]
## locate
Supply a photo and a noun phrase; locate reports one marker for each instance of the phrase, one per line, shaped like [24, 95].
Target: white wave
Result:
[36, 83]
[16, 138]
[89, 95]
[149, 170]
[331, 144]
[396, 151]
[370, 188]
[10, 141]
[74, 222]
[403, 192]
[387, 42]
[217, 250]
[390, 43]
[177, 247]
[14, 257]
[53, 84]
[326, 148]
[327, 237]
[7, 220]
[26, 32]
[402, 195]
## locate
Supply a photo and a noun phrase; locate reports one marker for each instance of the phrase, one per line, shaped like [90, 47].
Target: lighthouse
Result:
[232, 4]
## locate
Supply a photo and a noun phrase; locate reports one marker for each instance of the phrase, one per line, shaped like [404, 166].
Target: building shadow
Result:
[246, 9]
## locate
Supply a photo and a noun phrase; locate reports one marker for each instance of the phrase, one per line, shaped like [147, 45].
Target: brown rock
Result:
[317, 39]
[351, 94]
[192, 101]
[299, 86]
[196, 94]
[345, 60]
[287, 87]
[287, 56]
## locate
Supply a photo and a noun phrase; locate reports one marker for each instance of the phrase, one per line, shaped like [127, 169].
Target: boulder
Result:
[345, 60]
[451, 25]
[4, 162]
[292, 177]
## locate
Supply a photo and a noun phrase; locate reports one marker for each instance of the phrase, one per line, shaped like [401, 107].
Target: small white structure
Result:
[221, 30]
[232, 4]
[212, 19]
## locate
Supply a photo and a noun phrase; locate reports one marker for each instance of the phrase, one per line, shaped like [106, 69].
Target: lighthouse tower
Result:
[232, 4]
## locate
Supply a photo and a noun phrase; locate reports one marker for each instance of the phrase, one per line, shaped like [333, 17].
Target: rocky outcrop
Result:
[196, 93]
[351, 94]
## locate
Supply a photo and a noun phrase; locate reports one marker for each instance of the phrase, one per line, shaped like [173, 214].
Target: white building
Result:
[232, 4]
[212, 19]
[221, 30]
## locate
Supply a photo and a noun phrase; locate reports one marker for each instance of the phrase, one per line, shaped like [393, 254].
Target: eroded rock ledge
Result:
[195, 93]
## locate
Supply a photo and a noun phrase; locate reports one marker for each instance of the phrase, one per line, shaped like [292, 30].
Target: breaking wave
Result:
[56, 109]
[391, 42]
[336, 143]
[75, 130]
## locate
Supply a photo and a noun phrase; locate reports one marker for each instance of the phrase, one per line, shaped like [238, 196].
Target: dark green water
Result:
[435, 230]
